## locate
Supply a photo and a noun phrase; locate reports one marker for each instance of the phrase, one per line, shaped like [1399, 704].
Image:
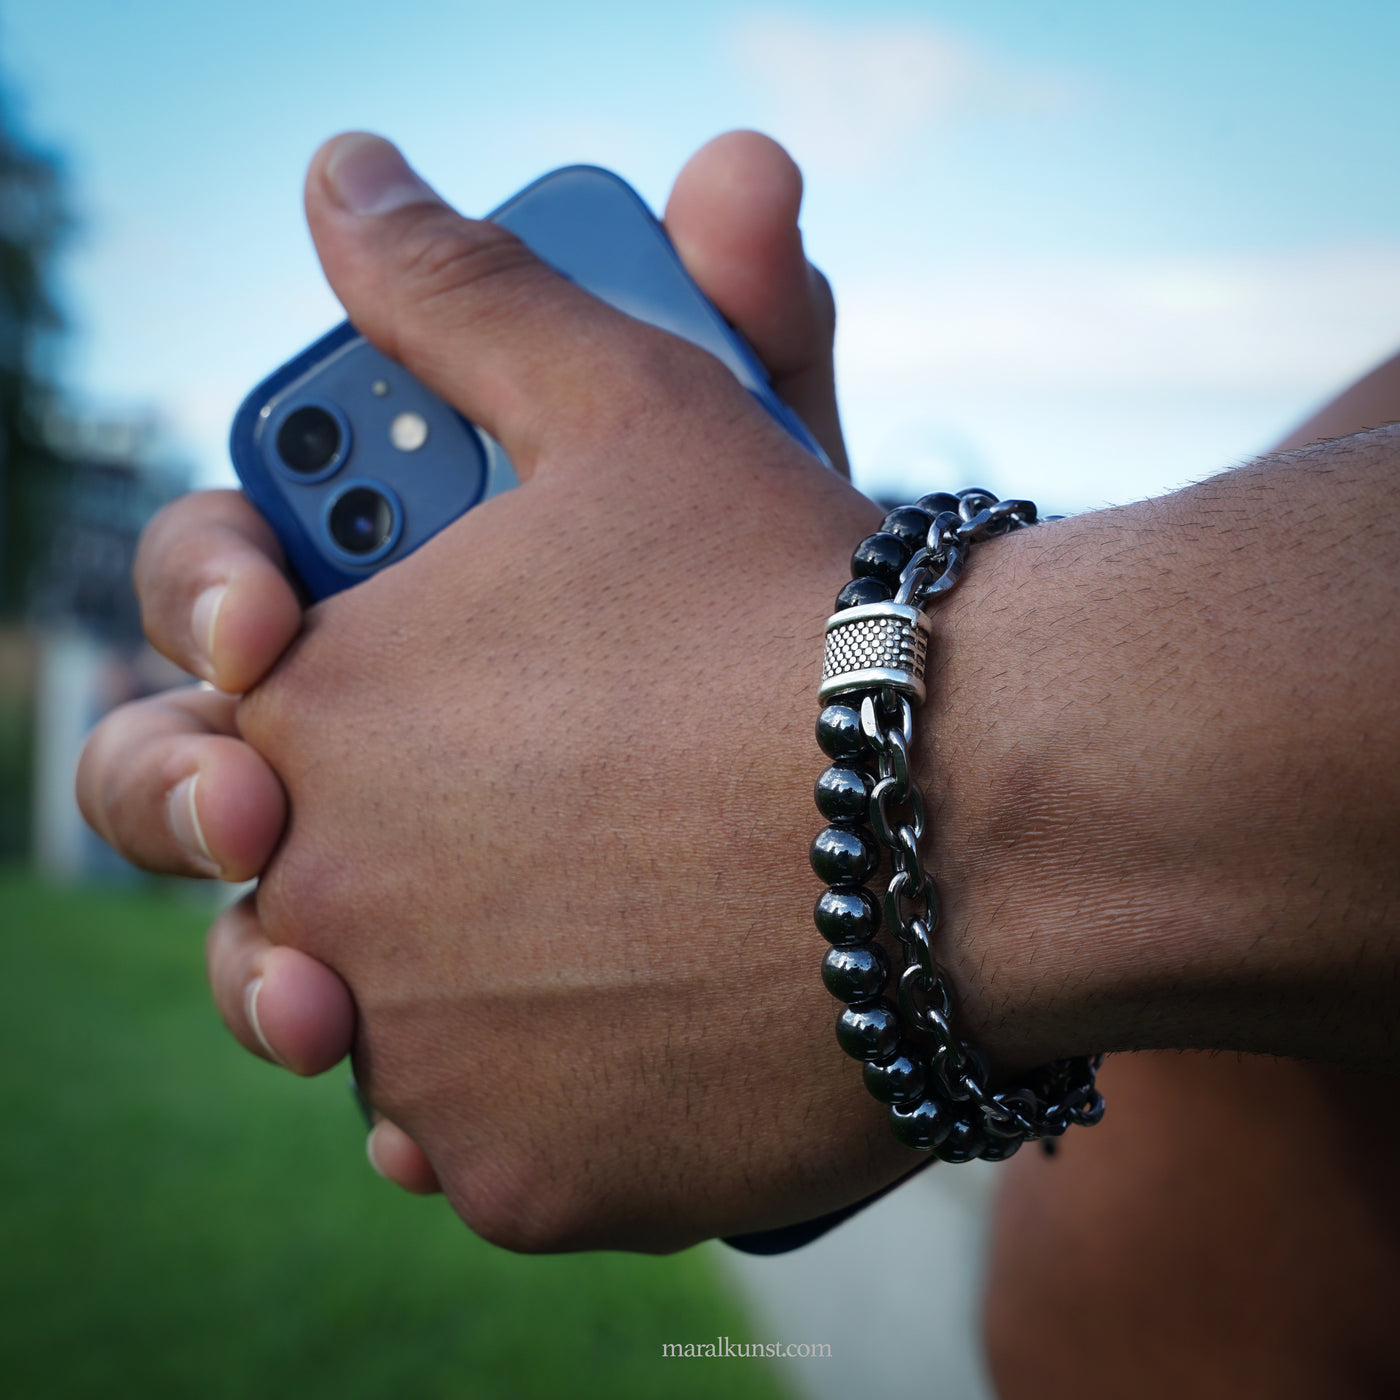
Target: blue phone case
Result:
[589, 225]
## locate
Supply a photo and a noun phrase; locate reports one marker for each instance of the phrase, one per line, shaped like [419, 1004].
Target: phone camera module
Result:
[363, 522]
[311, 441]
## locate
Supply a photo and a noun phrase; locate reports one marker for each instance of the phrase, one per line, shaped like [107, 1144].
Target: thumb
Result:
[466, 307]
[732, 216]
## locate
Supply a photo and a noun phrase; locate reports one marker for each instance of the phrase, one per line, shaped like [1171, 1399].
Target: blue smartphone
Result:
[355, 464]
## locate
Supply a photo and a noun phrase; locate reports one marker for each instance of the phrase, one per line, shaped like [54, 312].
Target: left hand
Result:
[548, 775]
[732, 217]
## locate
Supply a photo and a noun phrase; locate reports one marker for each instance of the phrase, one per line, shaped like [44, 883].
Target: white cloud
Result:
[1103, 379]
[855, 96]
[1274, 324]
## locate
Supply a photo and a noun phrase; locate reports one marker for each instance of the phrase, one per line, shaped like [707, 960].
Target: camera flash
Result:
[408, 432]
[380, 388]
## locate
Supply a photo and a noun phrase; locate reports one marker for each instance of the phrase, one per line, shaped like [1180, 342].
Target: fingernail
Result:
[250, 1010]
[183, 816]
[203, 620]
[369, 1152]
[367, 175]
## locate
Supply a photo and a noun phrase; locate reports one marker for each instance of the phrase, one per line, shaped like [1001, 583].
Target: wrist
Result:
[1160, 775]
[990, 766]
[1048, 769]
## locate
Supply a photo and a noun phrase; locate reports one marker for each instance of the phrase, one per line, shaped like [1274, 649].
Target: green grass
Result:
[178, 1219]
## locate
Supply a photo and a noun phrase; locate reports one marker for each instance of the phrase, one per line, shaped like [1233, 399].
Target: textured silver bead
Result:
[877, 644]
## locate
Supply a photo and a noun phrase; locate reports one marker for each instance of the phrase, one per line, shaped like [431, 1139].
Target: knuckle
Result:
[258, 712]
[518, 1205]
[299, 895]
[319, 674]
[270, 715]
[444, 262]
[660, 378]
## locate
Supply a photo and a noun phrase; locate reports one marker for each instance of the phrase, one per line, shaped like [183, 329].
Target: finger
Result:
[296, 1012]
[278, 1002]
[467, 308]
[397, 1158]
[215, 597]
[167, 783]
[733, 218]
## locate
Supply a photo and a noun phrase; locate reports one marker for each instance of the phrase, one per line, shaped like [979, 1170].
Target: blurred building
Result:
[79, 649]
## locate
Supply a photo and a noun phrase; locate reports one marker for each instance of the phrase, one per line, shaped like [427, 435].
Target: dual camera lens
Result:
[362, 520]
[310, 441]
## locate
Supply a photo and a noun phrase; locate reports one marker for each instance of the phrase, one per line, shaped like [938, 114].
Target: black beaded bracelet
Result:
[936, 1084]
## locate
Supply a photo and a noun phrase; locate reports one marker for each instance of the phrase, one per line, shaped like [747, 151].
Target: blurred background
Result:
[1082, 251]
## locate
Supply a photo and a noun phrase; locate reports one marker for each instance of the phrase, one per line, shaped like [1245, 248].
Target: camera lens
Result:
[308, 440]
[362, 521]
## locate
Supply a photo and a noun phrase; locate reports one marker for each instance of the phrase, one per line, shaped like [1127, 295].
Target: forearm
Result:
[1166, 761]
[1372, 402]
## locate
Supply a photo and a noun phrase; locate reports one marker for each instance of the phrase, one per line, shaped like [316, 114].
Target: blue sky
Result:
[1085, 251]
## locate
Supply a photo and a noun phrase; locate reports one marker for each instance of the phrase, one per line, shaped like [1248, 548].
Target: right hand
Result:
[169, 781]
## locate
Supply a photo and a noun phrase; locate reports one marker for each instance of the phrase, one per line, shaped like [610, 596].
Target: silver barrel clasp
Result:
[876, 644]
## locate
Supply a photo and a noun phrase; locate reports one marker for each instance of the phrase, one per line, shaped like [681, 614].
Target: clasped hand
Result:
[528, 810]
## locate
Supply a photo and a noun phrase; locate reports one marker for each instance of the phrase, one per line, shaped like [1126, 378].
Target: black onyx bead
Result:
[910, 524]
[861, 591]
[938, 502]
[842, 855]
[964, 1142]
[868, 1032]
[880, 556]
[844, 917]
[838, 732]
[842, 794]
[999, 1149]
[900, 1080]
[921, 1125]
[855, 974]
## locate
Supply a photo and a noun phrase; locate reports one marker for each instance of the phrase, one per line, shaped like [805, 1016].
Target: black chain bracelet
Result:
[937, 1085]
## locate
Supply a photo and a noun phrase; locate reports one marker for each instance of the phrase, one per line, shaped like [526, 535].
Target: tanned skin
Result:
[1231, 1229]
